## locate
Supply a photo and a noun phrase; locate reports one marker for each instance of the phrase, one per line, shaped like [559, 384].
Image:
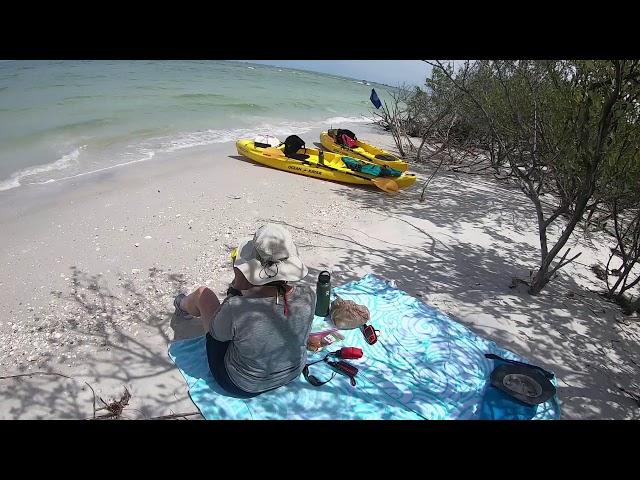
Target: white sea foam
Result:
[148, 149]
[146, 156]
[208, 137]
[15, 180]
[338, 120]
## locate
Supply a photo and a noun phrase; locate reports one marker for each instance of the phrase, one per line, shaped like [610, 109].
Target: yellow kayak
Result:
[333, 168]
[363, 151]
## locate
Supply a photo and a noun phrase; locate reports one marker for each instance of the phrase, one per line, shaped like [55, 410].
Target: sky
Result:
[389, 72]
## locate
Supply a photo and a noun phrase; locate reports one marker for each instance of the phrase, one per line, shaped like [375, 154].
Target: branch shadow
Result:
[126, 329]
[427, 250]
[457, 251]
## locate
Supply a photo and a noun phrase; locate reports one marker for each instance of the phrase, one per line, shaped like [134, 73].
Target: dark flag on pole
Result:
[374, 98]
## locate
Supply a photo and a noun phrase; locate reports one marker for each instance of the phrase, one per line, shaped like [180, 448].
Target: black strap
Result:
[317, 383]
[312, 379]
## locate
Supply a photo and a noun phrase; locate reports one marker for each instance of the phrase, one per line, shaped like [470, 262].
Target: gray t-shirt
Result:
[267, 349]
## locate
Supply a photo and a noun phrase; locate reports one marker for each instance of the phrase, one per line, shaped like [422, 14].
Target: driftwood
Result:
[175, 415]
[36, 373]
[114, 408]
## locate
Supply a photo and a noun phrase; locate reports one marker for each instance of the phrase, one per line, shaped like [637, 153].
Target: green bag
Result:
[370, 168]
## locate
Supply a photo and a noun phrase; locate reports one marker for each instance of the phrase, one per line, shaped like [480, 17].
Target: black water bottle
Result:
[321, 157]
[323, 294]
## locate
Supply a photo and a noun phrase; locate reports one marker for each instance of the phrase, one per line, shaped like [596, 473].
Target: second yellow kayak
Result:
[363, 151]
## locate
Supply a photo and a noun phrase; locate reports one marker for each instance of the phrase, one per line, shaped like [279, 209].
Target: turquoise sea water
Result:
[63, 118]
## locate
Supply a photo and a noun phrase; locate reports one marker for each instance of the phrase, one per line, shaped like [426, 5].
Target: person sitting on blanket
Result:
[256, 338]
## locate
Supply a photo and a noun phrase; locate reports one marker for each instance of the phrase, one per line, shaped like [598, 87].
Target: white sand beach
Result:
[90, 267]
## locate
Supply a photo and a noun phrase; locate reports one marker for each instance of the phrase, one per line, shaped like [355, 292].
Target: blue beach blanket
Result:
[424, 366]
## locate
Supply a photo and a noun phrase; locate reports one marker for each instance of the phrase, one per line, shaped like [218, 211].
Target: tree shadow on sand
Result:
[566, 329]
[424, 247]
[128, 329]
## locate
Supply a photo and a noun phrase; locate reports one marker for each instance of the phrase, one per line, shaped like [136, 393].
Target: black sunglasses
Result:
[313, 380]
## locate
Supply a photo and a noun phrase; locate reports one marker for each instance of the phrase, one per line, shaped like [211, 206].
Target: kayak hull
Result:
[247, 149]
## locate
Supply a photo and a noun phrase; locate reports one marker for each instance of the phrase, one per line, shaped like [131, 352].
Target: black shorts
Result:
[215, 355]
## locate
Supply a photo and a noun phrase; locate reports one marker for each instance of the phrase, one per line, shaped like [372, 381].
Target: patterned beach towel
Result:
[424, 366]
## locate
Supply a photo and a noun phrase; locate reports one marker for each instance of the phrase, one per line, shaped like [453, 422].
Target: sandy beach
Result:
[90, 267]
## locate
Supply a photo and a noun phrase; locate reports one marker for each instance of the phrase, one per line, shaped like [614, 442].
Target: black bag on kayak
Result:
[292, 144]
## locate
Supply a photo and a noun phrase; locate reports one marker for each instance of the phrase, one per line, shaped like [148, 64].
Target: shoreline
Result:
[90, 267]
[147, 149]
[30, 193]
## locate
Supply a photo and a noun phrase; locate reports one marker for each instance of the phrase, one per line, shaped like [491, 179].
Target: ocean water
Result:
[60, 119]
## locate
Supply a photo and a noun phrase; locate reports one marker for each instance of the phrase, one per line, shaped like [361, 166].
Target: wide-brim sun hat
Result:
[524, 383]
[270, 256]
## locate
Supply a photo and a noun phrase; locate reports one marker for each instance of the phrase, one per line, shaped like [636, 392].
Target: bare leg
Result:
[202, 303]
